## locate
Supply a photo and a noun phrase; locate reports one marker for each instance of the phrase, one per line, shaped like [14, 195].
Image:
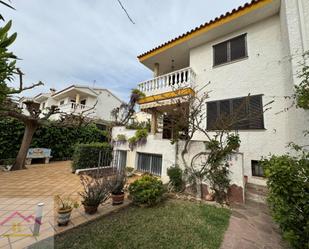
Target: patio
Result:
[22, 190]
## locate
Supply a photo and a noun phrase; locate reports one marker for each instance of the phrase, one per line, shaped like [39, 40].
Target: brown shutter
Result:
[240, 114]
[212, 115]
[238, 47]
[256, 112]
[220, 53]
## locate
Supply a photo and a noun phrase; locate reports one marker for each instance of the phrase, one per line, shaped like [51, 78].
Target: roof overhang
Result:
[178, 49]
[73, 90]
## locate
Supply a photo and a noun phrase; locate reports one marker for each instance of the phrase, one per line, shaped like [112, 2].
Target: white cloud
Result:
[79, 41]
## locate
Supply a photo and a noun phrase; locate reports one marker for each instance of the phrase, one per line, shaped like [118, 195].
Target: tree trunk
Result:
[199, 188]
[30, 128]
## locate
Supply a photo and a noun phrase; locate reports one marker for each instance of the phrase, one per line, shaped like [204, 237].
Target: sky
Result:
[92, 42]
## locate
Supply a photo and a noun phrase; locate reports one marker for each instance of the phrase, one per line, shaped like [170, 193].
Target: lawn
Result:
[173, 224]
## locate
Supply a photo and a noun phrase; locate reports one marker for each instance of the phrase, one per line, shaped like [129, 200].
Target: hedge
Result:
[288, 197]
[60, 140]
[88, 155]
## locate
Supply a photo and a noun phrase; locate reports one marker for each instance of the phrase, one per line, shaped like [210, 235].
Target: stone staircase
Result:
[256, 193]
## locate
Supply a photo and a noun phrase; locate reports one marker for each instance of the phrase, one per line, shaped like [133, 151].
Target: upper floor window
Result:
[243, 113]
[230, 50]
[43, 105]
[61, 102]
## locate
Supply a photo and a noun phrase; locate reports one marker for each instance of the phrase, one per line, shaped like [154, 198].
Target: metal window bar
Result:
[119, 159]
[150, 163]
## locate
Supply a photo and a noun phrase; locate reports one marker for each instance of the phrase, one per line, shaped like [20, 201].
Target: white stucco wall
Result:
[155, 145]
[295, 30]
[265, 71]
[106, 103]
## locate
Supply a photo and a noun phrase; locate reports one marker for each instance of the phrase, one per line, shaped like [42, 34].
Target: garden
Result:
[170, 224]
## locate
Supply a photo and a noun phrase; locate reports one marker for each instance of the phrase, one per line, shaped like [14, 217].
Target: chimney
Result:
[52, 91]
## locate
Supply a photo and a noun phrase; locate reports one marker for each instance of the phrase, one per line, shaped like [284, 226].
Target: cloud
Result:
[79, 41]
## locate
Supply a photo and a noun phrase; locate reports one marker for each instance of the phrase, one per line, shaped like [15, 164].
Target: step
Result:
[256, 193]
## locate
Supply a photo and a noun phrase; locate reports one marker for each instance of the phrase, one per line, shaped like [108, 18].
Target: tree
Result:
[34, 118]
[211, 162]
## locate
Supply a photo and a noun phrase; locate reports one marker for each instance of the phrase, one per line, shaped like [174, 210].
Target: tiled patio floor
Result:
[22, 190]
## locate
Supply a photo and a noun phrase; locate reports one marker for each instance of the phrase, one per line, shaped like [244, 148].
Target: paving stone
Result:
[26, 188]
[251, 227]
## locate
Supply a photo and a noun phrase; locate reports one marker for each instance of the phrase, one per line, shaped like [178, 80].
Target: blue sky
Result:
[81, 41]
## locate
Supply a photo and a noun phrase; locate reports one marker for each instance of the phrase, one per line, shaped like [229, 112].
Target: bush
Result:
[175, 175]
[88, 155]
[146, 191]
[287, 181]
[61, 140]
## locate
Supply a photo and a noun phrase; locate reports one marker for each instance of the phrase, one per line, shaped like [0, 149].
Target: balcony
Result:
[71, 108]
[180, 79]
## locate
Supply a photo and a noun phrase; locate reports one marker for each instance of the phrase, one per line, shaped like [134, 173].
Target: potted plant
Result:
[118, 188]
[65, 207]
[96, 191]
[130, 171]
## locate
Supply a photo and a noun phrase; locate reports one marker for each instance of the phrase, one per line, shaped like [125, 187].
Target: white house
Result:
[94, 102]
[254, 49]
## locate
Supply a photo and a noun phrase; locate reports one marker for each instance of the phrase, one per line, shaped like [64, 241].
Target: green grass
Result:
[173, 224]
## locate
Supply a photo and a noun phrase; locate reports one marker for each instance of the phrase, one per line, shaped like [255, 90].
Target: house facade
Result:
[96, 103]
[252, 50]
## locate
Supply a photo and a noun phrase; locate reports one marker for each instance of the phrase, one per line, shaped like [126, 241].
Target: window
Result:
[120, 159]
[257, 169]
[83, 102]
[43, 105]
[243, 113]
[61, 102]
[150, 163]
[230, 50]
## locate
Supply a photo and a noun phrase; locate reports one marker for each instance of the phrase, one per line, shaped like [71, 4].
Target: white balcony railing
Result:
[74, 108]
[172, 81]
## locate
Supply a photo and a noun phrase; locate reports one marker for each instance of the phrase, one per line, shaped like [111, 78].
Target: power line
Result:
[126, 12]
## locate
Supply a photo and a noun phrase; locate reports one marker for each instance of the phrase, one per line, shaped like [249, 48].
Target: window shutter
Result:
[256, 112]
[212, 115]
[240, 114]
[225, 112]
[220, 53]
[238, 47]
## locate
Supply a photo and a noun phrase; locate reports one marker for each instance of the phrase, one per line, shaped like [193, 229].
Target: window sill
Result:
[259, 177]
[244, 130]
[230, 62]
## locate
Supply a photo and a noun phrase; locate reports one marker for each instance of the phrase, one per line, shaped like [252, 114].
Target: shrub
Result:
[139, 138]
[288, 197]
[88, 155]
[146, 191]
[61, 140]
[175, 175]
[121, 138]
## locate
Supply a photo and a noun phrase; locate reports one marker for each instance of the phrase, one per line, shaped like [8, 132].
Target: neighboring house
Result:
[93, 102]
[254, 49]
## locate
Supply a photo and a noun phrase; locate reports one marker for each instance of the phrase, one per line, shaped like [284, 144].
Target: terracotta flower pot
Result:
[64, 217]
[118, 198]
[91, 209]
